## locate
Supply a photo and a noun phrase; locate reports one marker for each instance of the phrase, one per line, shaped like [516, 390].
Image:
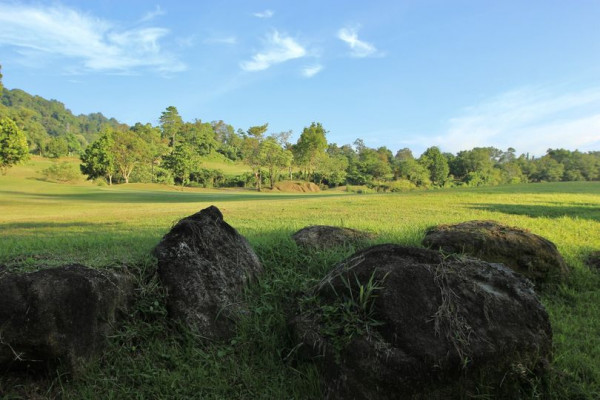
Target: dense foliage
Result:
[173, 152]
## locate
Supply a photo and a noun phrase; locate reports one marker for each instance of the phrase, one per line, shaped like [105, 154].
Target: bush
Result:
[62, 172]
[362, 189]
[401, 185]
[207, 178]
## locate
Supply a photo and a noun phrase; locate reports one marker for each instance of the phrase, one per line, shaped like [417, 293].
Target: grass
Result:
[43, 223]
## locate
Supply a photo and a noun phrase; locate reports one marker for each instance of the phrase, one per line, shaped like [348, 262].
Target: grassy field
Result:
[43, 223]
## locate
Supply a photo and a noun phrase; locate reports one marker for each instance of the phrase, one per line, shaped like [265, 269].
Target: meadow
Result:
[48, 224]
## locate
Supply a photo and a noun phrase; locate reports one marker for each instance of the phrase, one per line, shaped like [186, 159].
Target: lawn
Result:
[43, 223]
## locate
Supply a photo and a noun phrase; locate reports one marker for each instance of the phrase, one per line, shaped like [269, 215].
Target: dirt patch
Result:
[296, 187]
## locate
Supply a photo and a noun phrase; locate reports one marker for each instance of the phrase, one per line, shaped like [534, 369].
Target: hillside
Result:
[43, 120]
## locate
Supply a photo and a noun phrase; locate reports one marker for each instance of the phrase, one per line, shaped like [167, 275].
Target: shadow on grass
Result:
[53, 225]
[163, 197]
[583, 211]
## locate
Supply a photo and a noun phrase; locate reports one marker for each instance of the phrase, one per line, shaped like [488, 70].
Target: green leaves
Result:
[13, 145]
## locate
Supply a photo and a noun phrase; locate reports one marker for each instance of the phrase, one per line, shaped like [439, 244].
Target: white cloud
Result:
[221, 40]
[311, 71]
[358, 48]
[530, 120]
[278, 48]
[90, 43]
[264, 14]
[150, 15]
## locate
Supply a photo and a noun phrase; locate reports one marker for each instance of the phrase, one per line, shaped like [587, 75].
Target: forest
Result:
[173, 152]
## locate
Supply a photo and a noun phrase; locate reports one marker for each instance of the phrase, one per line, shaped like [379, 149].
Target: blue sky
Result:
[455, 74]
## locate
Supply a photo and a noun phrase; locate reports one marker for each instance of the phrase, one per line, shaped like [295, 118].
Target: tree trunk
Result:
[259, 180]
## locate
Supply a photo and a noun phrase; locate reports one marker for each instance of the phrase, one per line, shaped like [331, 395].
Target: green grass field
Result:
[43, 223]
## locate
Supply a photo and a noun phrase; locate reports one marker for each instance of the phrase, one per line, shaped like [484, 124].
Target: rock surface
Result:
[204, 263]
[58, 315]
[427, 326]
[531, 255]
[593, 261]
[327, 237]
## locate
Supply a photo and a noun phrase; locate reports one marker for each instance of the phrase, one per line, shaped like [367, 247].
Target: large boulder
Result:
[328, 237]
[204, 263]
[394, 322]
[531, 255]
[59, 315]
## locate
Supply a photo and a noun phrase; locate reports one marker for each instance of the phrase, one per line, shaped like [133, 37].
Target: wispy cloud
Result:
[311, 71]
[150, 15]
[221, 40]
[91, 43]
[264, 14]
[358, 48]
[530, 120]
[278, 48]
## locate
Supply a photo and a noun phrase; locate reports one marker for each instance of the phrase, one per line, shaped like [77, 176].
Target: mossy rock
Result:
[531, 255]
[395, 322]
[328, 237]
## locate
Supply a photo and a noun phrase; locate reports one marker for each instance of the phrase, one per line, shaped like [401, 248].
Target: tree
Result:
[128, 150]
[251, 151]
[13, 145]
[57, 147]
[182, 161]
[200, 135]
[274, 158]
[311, 144]
[98, 159]
[436, 163]
[331, 169]
[156, 146]
[406, 167]
[229, 142]
[171, 124]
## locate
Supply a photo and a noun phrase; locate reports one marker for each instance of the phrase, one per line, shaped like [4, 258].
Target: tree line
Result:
[172, 152]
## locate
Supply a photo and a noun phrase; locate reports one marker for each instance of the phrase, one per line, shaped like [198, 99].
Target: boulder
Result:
[205, 264]
[59, 315]
[327, 237]
[593, 261]
[394, 322]
[531, 255]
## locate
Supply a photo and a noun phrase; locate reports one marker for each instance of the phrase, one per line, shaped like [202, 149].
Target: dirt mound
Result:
[394, 322]
[296, 187]
[531, 255]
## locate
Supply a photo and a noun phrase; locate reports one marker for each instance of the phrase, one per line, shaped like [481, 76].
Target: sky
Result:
[403, 73]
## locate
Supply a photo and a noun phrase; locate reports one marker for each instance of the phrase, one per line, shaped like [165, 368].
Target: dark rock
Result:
[531, 255]
[205, 264]
[426, 326]
[59, 315]
[327, 237]
[593, 261]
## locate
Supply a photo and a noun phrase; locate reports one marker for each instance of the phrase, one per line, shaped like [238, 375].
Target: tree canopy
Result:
[13, 145]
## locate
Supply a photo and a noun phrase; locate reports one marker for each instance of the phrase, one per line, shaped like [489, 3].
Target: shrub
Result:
[62, 172]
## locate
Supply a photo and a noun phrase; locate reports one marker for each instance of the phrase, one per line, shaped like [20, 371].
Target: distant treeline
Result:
[172, 152]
